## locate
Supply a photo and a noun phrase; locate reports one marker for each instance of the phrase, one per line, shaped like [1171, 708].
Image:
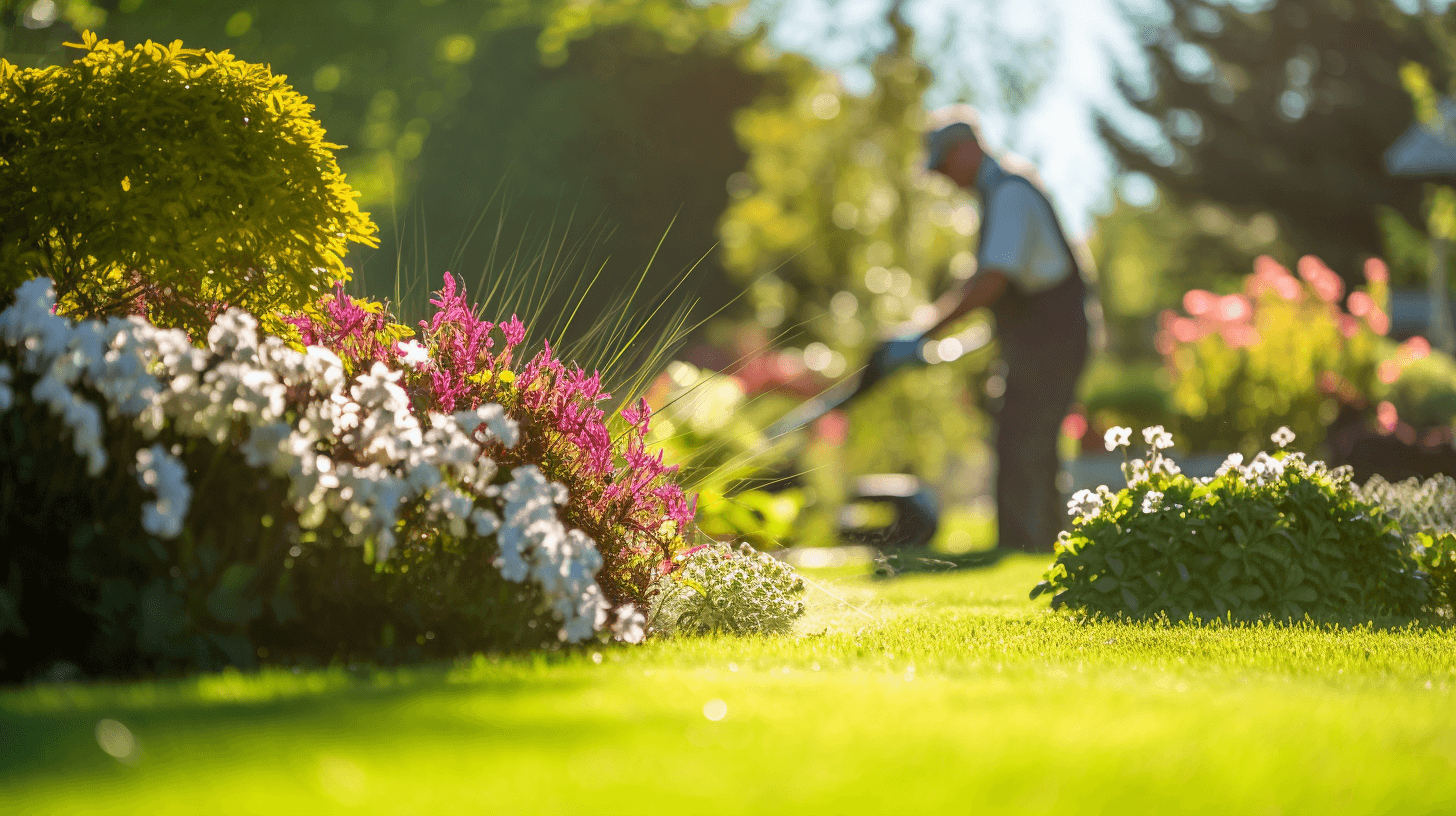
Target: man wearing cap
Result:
[1029, 276]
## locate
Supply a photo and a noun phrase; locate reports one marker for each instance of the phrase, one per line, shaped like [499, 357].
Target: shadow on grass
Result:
[49, 728]
[907, 561]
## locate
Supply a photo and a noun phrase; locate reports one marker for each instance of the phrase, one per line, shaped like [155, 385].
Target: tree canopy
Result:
[1287, 109]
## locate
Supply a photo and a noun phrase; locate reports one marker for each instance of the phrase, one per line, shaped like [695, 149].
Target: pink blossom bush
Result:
[620, 493]
[1284, 351]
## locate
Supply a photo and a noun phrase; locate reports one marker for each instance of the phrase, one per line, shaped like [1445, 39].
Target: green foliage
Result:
[1147, 257]
[1418, 506]
[167, 180]
[1438, 560]
[713, 432]
[1279, 538]
[1426, 512]
[464, 117]
[388, 73]
[1424, 393]
[1115, 393]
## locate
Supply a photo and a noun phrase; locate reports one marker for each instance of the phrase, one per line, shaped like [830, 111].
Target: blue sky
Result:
[1075, 45]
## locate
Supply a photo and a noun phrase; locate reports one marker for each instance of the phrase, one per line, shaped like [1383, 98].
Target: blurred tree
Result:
[840, 234]
[1148, 256]
[1284, 107]
[623, 133]
[617, 109]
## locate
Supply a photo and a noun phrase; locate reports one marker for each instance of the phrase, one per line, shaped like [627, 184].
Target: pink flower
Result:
[1416, 348]
[514, 332]
[1234, 308]
[638, 416]
[1326, 284]
[1240, 336]
[1349, 326]
[1376, 271]
[1269, 275]
[1361, 304]
[1386, 417]
[1185, 330]
[1198, 301]
[1379, 321]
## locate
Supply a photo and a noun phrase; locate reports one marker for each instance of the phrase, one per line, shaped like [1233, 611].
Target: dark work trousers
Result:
[1040, 386]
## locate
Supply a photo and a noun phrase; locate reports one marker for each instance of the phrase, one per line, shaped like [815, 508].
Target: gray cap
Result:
[939, 142]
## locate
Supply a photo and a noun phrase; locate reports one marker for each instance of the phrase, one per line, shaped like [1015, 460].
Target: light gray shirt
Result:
[1020, 236]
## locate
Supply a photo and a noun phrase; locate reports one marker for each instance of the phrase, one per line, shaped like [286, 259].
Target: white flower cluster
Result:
[720, 590]
[1264, 469]
[351, 448]
[1086, 504]
[564, 562]
[165, 475]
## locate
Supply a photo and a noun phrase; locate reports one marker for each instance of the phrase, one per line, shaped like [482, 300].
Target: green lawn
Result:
[935, 692]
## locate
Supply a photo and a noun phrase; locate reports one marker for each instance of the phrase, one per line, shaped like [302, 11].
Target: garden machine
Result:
[914, 508]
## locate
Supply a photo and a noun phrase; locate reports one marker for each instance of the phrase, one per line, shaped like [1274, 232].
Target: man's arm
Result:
[981, 289]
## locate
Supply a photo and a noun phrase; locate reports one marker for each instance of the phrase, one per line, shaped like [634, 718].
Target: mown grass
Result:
[929, 692]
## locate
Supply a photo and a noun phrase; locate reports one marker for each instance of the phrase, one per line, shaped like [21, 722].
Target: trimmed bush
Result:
[169, 182]
[1277, 538]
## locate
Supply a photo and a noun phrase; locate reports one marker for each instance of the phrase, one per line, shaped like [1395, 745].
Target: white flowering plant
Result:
[1278, 537]
[719, 588]
[167, 505]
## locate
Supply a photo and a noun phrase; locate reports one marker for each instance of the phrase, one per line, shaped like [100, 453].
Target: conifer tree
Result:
[1286, 109]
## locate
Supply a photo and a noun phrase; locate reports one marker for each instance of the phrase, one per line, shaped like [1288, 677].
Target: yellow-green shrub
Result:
[165, 180]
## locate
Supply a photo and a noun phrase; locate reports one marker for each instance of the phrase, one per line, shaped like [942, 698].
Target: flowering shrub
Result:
[231, 489]
[165, 181]
[1283, 350]
[359, 330]
[617, 492]
[719, 589]
[1276, 537]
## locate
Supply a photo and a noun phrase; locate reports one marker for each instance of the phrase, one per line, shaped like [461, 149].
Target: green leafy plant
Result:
[1279, 537]
[1426, 512]
[720, 589]
[1423, 387]
[1437, 553]
[168, 181]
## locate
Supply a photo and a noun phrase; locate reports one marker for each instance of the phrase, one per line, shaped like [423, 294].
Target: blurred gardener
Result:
[1028, 274]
